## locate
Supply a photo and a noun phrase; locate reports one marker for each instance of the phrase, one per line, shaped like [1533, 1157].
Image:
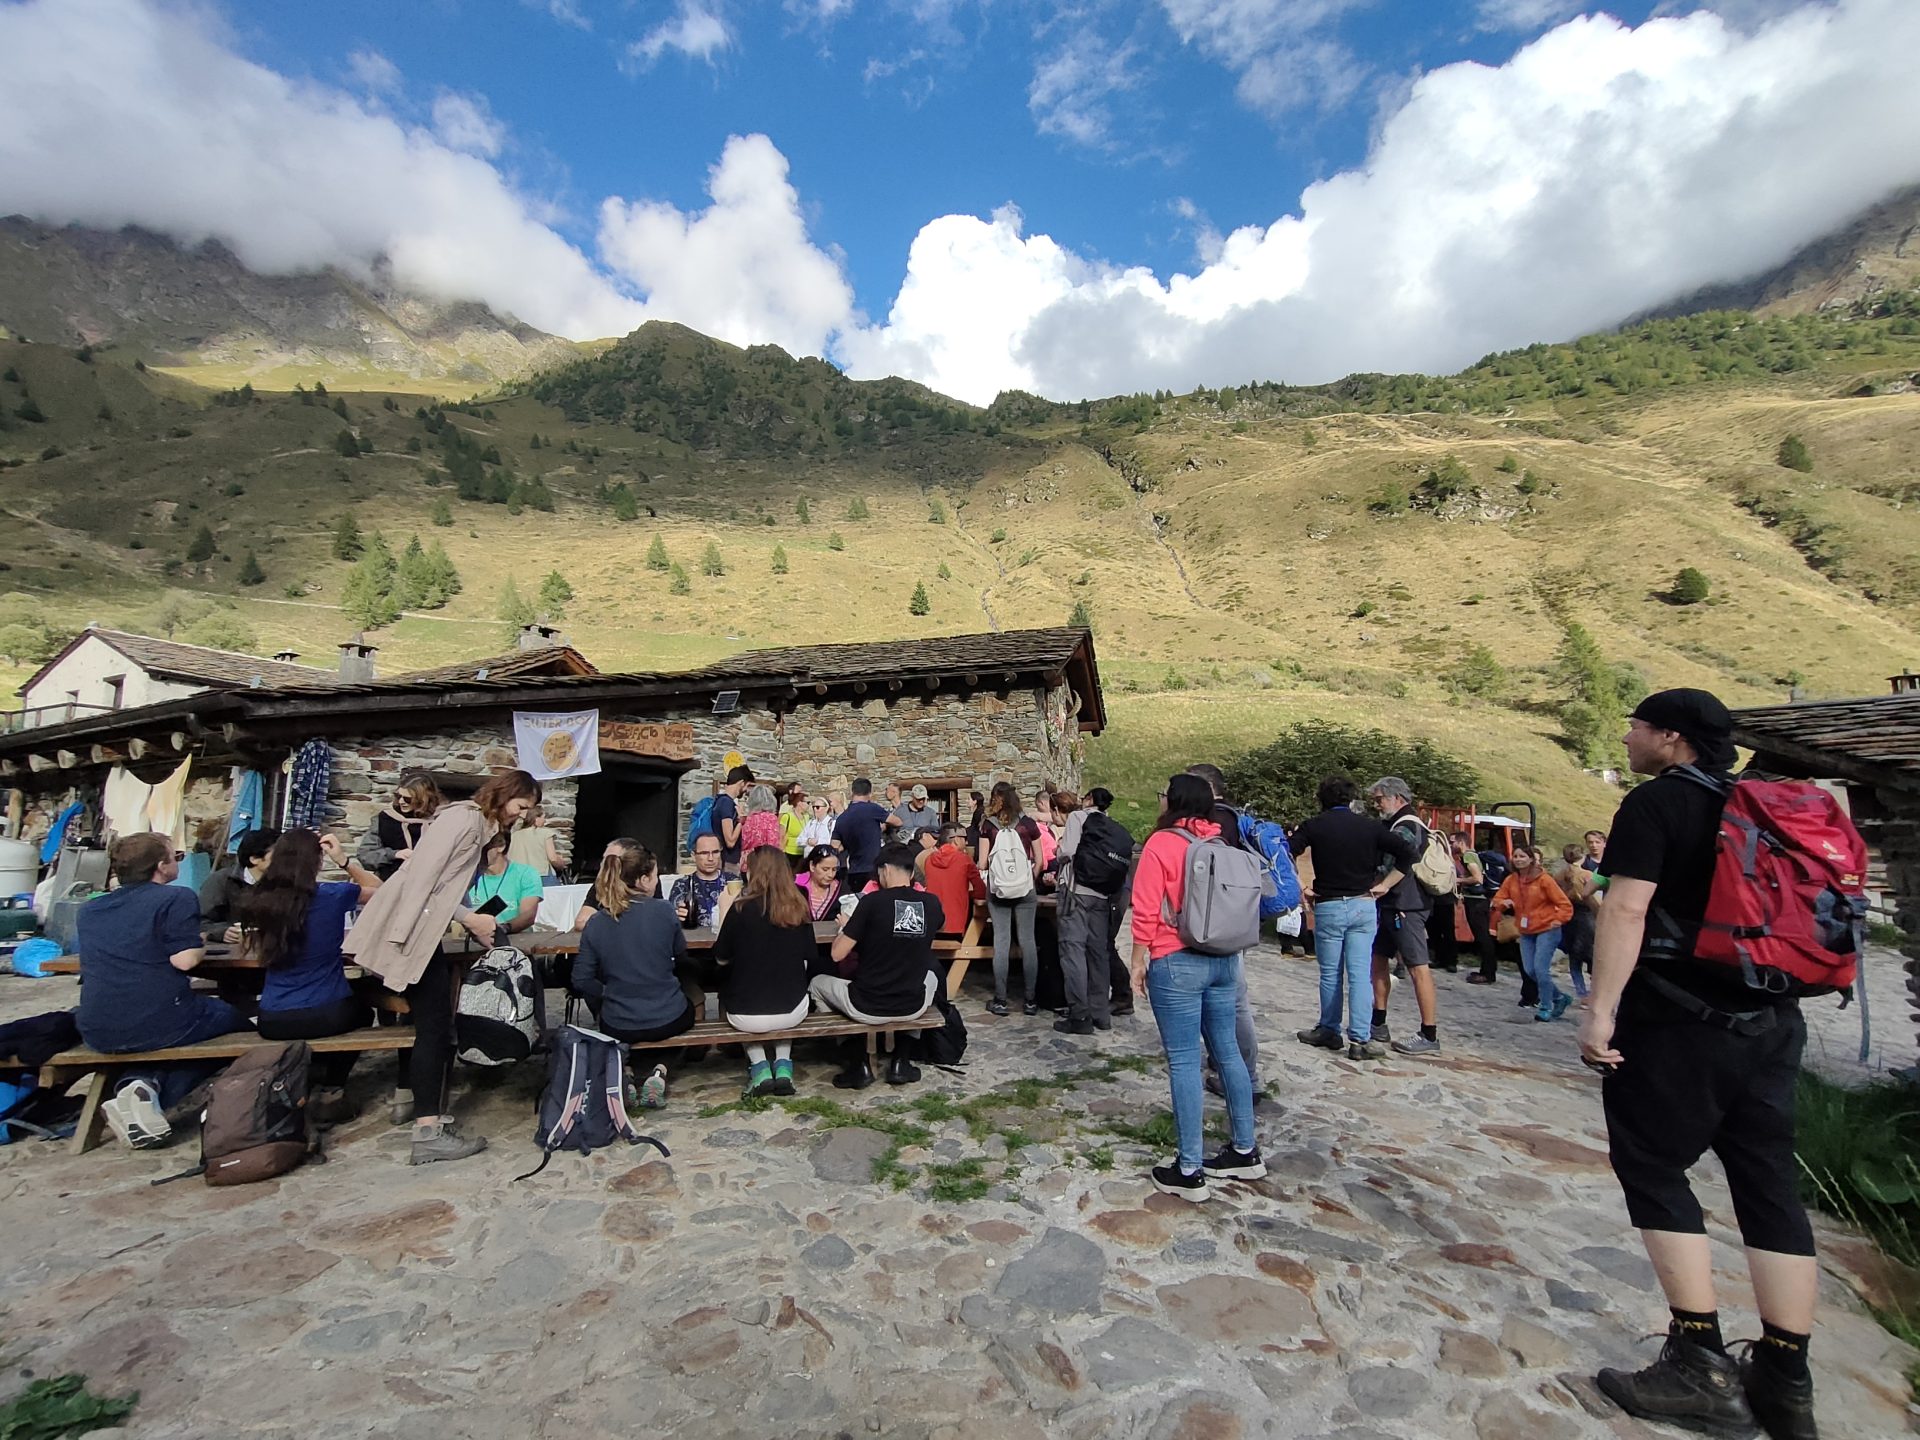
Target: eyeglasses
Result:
[178, 856]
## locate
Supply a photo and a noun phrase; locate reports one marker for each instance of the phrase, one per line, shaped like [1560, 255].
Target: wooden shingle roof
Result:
[1875, 740]
[514, 665]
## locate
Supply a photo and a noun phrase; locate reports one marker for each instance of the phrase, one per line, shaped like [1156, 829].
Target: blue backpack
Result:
[1268, 839]
[700, 822]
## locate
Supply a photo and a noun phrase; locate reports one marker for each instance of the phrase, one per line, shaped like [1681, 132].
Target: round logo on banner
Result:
[558, 751]
[733, 758]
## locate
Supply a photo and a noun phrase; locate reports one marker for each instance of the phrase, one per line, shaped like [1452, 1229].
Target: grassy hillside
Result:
[1248, 557]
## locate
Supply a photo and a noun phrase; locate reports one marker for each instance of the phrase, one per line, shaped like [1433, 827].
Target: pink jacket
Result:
[1162, 877]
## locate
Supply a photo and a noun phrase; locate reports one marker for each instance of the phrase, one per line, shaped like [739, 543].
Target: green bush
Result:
[834, 542]
[1690, 587]
[1081, 615]
[1793, 455]
[678, 584]
[1279, 780]
[779, 559]
[1476, 673]
[1390, 499]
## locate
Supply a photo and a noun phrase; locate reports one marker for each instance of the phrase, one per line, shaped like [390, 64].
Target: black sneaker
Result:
[1783, 1407]
[1689, 1386]
[1382, 1033]
[996, 1006]
[1169, 1180]
[902, 1071]
[1321, 1036]
[1029, 1009]
[1232, 1164]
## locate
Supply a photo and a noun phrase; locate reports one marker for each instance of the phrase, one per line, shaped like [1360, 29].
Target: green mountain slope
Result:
[1247, 557]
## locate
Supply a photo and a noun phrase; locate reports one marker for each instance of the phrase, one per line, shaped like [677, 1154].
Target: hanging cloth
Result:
[123, 802]
[167, 806]
[307, 797]
[50, 847]
[249, 807]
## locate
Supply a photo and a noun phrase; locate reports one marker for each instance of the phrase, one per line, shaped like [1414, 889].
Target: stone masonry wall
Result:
[1030, 736]
[1889, 821]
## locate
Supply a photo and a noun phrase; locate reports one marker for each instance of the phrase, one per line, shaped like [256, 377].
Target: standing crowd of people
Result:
[1694, 1057]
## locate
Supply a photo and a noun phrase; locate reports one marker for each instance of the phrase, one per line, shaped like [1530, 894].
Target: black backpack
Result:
[584, 1106]
[948, 1044]
[1104, 855]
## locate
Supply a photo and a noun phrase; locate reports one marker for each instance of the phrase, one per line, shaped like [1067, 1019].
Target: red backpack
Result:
[1789, 886]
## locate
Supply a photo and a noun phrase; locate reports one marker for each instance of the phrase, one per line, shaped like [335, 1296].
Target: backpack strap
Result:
[1740, 1022]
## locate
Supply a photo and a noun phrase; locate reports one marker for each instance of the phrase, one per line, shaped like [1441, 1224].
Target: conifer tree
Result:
[779, 559]
[919, 604]
[679, 584]
[442, 514]
[250, 571]
[710, 563]
[657, 554]
[200, 549]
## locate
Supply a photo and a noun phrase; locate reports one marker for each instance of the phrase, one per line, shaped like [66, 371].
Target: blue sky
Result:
[891, 114]
[1075, 199]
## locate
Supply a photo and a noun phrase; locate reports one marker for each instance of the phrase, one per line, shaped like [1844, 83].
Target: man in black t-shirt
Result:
[890, 937]
[859, 833]
[1696, 1060]
[1402, 930]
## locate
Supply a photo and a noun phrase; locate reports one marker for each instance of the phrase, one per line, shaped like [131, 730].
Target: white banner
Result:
[550, 746]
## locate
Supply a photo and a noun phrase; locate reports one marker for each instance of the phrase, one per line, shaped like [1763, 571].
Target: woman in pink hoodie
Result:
[1191, 993]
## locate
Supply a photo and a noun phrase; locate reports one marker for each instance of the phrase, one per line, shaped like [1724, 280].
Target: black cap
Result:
[1697, 717]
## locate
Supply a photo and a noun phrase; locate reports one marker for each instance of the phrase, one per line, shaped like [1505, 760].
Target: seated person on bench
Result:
[137, 945]
[892, 929]
[295, 923]
[226, 891]
[633, 962]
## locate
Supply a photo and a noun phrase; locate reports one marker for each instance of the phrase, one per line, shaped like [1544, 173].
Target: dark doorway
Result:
[629, 796]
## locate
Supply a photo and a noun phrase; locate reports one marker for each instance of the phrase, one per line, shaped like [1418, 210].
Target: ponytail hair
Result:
[620, 874]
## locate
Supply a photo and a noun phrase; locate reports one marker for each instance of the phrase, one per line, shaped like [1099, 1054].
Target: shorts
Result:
[1402, 935]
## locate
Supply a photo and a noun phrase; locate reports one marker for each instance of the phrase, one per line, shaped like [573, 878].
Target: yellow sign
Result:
[733, 758]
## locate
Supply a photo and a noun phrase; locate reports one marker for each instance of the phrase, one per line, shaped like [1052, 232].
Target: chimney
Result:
[356, 659]
[538, 635]
[1904, 682]
[286, 657]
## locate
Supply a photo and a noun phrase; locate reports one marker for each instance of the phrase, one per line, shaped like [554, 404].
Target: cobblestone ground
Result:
[1439, 1250]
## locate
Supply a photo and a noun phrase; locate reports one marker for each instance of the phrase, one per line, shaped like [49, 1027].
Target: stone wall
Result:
[1030, 735]
[1889, 821]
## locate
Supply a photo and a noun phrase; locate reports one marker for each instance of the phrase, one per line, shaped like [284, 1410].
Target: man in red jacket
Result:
[954, 879]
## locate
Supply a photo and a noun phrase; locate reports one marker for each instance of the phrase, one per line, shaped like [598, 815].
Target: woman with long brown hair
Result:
[398, 937]
[764, 950]
[295, 923]
[396, 829]
[633, 961]
[1012, 891]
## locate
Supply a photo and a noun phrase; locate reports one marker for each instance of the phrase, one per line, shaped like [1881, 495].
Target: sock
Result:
[1782, 1351]
[756, 1054]
[1379, 1017]
[1702, 1327]
[783, 1051]
[1429, 1032]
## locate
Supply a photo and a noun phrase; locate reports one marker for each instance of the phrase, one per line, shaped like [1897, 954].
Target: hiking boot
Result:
[1170, 1180]
[1101, 1024]
[442, 1142]
[1545, 1015]
[1321, 1035]
[1366, 1050]
[1232, 1164]
[1418, 1045]
[1782, 1407]
[135, 1116]
[1382, 1033]
[330, 1107]
[855, 1077]
[902, 1071]
[996, 1006]
[1074, 1027]
[759, 1080]
[1561, 1005]
[782, 1077]
[1689, 1386]
[1122, 1009]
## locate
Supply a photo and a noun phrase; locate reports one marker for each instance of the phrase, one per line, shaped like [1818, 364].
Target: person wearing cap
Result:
[912, 815]
[1696, 1060]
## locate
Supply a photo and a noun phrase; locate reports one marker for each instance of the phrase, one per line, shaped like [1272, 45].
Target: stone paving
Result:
[1439, 1250]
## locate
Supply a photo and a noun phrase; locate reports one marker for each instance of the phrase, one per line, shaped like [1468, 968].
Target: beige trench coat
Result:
[404, 921]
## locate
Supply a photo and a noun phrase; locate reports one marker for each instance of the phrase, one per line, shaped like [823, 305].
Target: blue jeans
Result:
[1343, 933]
[206, 1019]
[1191, 995]
[1536, 958]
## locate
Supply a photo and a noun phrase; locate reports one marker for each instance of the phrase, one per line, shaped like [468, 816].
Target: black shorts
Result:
[1686, 1087]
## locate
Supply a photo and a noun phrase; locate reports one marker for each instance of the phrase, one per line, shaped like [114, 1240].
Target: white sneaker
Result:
[135, 1116]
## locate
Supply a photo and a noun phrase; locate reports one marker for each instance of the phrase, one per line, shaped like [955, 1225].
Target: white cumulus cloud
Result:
[1601, 170]
[466, 122]
[695, 31]
[742, 269]
[120, 111]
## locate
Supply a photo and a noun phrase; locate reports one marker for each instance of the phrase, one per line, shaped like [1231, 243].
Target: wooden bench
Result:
[69, 1065]
[821, 1025]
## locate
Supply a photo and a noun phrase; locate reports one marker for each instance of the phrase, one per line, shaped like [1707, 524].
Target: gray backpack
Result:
[1220, 907]
[585, 1103]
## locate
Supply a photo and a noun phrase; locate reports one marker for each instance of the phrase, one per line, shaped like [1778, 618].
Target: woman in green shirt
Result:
[509, 892]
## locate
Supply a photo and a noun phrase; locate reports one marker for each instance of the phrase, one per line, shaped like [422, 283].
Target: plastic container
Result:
[19, 867]
[31, 957]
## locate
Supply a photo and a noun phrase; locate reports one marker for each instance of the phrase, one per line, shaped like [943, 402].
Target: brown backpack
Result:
[255, 1125]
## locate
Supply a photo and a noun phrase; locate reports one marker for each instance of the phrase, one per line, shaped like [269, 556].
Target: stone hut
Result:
[954, 713]
[1872, 748]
